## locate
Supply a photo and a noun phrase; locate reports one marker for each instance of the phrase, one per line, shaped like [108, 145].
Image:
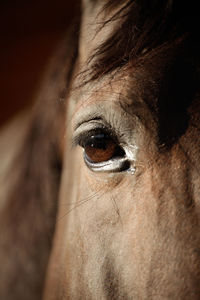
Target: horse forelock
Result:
[141, 28]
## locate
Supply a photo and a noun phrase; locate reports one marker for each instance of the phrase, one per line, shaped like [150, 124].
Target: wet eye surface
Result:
[100, 147]
[102, 150]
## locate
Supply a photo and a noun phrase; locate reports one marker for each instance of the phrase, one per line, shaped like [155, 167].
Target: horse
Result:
[101, 180]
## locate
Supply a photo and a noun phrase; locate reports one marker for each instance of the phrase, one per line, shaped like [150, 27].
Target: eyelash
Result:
[83, 136]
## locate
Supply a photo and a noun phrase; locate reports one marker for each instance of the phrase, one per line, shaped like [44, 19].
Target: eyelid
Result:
[85, 130]
[117, 165]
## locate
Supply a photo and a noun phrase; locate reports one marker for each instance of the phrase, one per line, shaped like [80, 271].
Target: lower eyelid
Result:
[113, 165]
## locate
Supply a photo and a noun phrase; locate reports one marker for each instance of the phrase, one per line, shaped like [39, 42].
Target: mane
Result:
[142, 27]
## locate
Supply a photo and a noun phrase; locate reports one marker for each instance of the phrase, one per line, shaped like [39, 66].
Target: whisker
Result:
[116, 209]
[79, 203]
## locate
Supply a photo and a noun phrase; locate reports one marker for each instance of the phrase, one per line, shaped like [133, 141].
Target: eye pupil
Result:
[99, 141]
[101, 147]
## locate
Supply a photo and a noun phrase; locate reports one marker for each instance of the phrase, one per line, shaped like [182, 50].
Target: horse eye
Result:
[101, 147]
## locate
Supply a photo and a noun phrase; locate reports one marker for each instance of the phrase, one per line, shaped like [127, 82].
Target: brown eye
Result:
[101, 147]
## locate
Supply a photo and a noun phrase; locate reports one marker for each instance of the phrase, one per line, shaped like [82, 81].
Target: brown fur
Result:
[146, 246]
[124, 236]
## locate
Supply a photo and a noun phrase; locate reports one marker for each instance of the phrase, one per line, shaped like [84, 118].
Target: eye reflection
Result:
[101, 147]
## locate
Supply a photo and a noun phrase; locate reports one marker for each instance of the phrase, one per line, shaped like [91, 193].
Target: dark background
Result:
[29, 33]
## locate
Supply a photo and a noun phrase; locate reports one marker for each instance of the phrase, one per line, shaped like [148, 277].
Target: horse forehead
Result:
[113, 88]
[93, 34]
